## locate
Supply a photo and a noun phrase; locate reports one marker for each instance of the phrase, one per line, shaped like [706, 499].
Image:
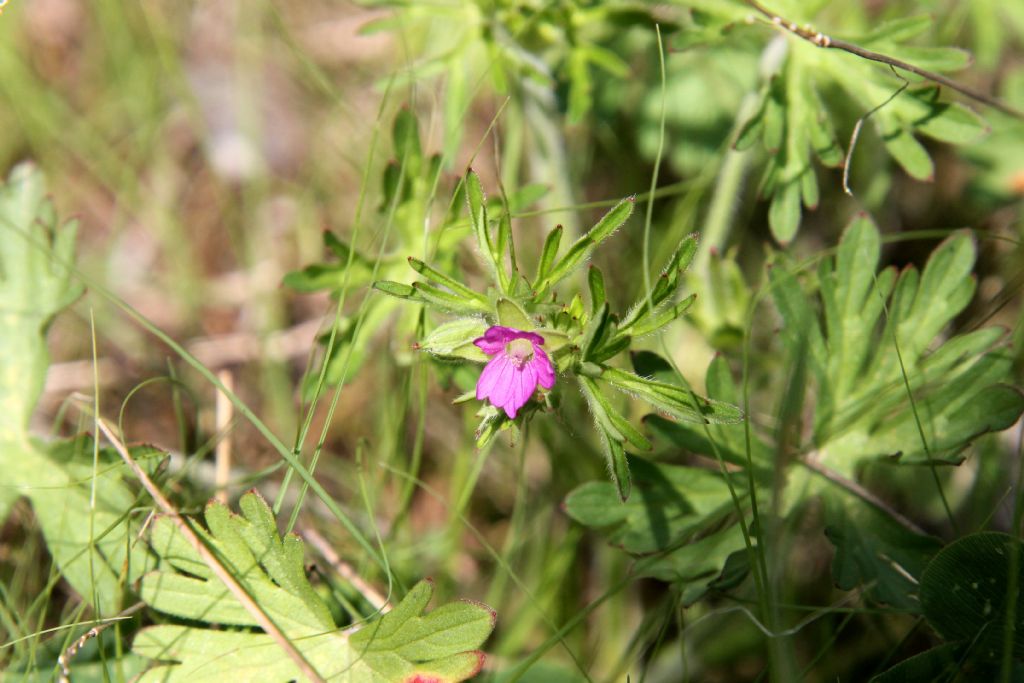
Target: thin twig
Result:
[222, 573]
[811, 462]
[65, 659]
[860, 124]
[822, 40]
[222, 453]
[344, 569]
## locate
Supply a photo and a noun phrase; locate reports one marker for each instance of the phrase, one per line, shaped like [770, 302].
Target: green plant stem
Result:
[550, 163]
[715, 234]
[654, 177]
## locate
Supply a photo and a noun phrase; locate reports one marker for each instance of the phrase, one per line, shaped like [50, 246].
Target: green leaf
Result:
[937, 664]
[399, 645]
[933, 58]
[396, 289]
[481, 228]
[330, 276]
[526, 196]
[649, 325]
[875, 552]
[268, 567]
[664, 289]
[454, 339]
[606, 60]
[436, 276]
[784, 212]
[611, 419]
[668, 505]
[598, 328]
[751, 130]
[728, 440]
[448, 631]
[598, 297]
[911, 155]
[406, 136]
[953, 123]
[862, 409]
[506, 250]
[701, 565]
[965, 589]
[547, 255]
[677, 402]
[434, 296]
[511, 314]
[611, 438]
[84, 513]
[823, 139]
[36, 282]
[93, 544]
[585, 245]
[897, 30]
[333, 276]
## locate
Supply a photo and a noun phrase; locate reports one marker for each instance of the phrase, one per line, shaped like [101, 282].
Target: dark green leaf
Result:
[875, 552]
[965, 589]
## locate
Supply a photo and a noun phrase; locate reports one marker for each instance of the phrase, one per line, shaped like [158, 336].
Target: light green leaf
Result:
[784, 212]
[478, 217]
[267, 566]
[547, 255]
[862, 409]
[678, 402]
[92, 544]
[611, 437]
[454, 339]
[953, 123]
[511, 314]
[437, 277]
[403, 643]
[36, 282]
[911, 155]
[585, 245]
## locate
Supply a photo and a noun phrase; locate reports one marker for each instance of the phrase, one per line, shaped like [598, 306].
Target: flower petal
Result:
[501, 392]
[491, 376]
[522, 386]
[495, 338]
[543, 368]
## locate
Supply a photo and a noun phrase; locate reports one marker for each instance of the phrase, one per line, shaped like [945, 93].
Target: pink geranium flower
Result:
[518, 365]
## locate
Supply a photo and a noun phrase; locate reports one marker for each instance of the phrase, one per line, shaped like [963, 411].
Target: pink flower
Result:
[518, 365]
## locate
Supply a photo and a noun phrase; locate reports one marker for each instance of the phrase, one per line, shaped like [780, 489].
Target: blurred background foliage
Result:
[241, 171]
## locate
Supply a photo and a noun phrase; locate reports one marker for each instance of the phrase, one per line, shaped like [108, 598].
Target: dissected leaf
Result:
[78, 494]
[873, 551]
[703, 564]
[36, 282]
[878, 337]
[668, 504]
[398, 646]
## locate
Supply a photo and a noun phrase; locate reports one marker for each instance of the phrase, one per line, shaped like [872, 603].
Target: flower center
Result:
[519, 351]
